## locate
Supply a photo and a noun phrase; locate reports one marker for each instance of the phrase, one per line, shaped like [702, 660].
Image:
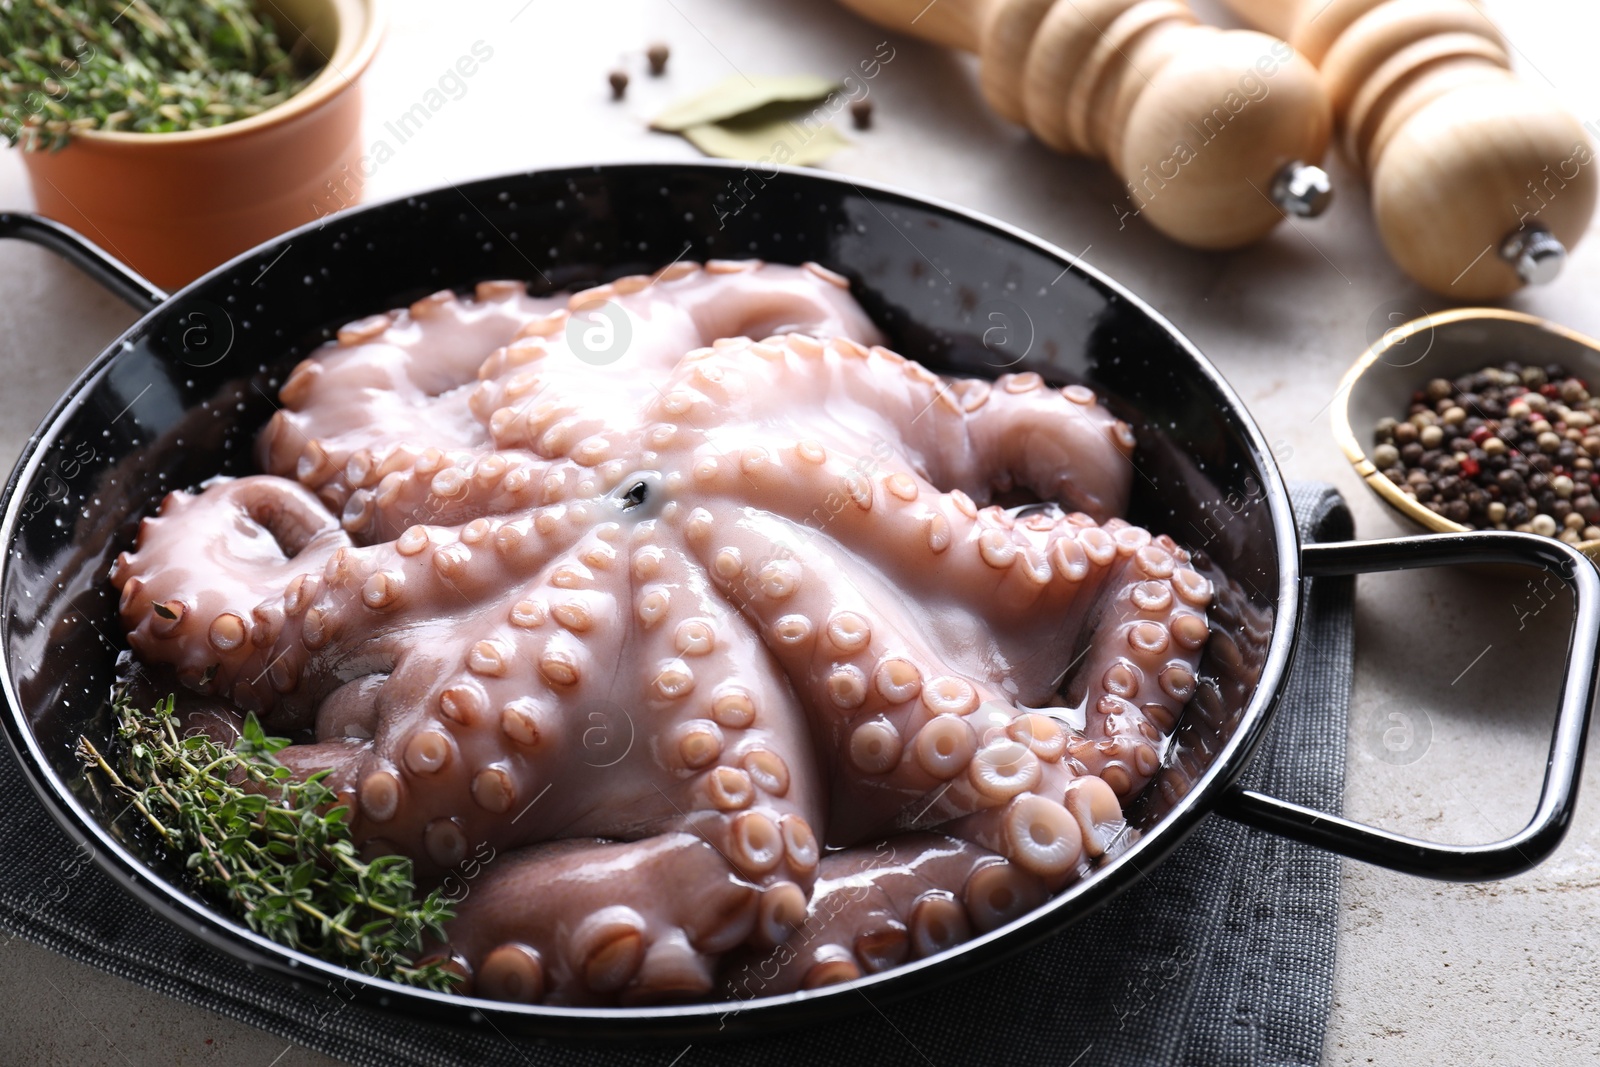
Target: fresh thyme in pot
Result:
[276, 848]
[145, 66]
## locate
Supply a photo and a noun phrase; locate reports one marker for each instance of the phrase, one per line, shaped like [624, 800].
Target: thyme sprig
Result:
[275, 848]
[145, 66]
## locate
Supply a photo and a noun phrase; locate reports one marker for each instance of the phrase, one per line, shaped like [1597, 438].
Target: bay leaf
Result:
[776, 140]
[739, 95]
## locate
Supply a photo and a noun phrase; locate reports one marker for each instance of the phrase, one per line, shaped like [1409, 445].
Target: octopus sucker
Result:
[730, 645]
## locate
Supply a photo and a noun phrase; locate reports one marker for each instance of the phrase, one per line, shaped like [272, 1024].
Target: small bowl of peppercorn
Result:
[1479, 419]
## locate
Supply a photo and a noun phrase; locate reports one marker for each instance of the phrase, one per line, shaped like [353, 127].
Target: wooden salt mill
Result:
[1480, 183]
[1215, 133]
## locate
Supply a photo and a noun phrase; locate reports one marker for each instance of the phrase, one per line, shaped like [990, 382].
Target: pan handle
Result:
[1559, 794]
[83, 253]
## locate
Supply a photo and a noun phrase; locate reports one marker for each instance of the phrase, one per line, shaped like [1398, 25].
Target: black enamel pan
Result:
[179, 397]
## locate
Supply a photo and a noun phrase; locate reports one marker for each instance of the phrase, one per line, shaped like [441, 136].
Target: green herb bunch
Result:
[276, 848]
[145, 66]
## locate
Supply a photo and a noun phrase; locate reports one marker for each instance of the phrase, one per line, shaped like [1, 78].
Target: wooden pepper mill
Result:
[1480, 183]
[1215, 133]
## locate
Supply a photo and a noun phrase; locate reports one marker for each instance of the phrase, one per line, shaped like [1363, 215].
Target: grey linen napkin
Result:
[1223, 955]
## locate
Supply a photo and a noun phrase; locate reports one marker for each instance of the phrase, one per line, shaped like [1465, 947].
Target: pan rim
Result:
[191, 914]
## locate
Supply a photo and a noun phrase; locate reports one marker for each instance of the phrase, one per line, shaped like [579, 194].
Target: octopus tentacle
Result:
[1013, 572]
[450, 490]
[436, 780]
[897, 730]
[420, 375]
[1036, 833]
[875, 908]
[632, 943]
[469, 738]
[737, 771]
[391, 380]
[859, 670]
[1060, 445]
[256, 545]
[1142, 662]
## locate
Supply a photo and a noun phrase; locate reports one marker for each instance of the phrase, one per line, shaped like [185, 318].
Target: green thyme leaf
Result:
[142, 66]
[275, 849]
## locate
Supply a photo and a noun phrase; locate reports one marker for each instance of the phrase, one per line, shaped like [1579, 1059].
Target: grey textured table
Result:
[1428, 973]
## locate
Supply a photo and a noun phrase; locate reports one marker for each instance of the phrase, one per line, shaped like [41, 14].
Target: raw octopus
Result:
[718, 666]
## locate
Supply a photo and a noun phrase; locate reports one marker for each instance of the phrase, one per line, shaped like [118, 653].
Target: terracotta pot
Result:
[174, 205]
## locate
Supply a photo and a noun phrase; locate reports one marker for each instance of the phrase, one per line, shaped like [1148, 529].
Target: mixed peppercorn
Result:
[1509, 447]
